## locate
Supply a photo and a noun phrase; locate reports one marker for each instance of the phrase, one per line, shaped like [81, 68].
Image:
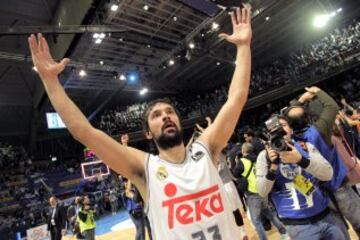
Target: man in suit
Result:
[56, 219]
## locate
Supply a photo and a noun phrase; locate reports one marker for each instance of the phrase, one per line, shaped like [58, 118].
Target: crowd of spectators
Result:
[315, 59]
[25, 189]
[20, 185]
[22, 201]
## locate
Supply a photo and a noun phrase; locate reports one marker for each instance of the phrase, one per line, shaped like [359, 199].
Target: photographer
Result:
[291, 175]
[86, 219]
[319, 134]
[258, 206]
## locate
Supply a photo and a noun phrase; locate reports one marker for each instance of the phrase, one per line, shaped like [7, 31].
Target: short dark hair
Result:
[150, 106]
[250, 133]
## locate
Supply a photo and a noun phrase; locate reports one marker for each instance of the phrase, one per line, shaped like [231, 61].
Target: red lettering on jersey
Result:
[201, 209]
[216, 199]
[183, 214]
[192, 207]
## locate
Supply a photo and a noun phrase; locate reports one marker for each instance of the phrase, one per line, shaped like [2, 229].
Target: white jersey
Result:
[188, 201]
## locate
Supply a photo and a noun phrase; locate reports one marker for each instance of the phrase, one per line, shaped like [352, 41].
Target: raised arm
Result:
[345, 104]
[217, 135]
[126, 161]
[328, 114]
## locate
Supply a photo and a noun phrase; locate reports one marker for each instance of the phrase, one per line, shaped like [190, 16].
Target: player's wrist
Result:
[51, 83]
[243, 45]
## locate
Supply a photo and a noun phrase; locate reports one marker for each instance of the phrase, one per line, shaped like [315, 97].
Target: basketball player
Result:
[182, 190]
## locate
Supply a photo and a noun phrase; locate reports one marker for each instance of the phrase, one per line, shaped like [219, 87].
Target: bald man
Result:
[56, 219]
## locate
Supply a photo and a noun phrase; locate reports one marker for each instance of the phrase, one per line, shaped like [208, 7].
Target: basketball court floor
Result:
[120, 227]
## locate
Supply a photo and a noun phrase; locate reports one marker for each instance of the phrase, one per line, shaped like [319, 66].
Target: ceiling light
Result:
[121, 39]
[149, 46]
[143, 91]
[146, 7]
[96, 35]
[218, 63]
[98, 40]
[133, 77]
[191, 45]
[82, 73]
[321, 20]
[102, 35]
[114, 7]
[101, 62]
[267, 18]
[215, 26]
[171, 62]
[122, 77]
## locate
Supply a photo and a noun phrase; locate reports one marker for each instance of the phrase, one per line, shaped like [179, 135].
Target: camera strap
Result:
[251, 167]
[350, 149]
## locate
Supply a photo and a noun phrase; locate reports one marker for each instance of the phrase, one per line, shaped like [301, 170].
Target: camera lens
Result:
[278, 144]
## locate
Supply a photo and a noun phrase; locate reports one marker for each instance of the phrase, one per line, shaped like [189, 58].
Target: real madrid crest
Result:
[289, 171]
[197, 156]
[162, 173]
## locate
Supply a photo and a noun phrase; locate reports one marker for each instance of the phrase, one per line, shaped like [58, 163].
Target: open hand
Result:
[309, 94]
[241, 22]
[313, 89]
[42, 59]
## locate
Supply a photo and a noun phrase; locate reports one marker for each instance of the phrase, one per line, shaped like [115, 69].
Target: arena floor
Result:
[120, 227]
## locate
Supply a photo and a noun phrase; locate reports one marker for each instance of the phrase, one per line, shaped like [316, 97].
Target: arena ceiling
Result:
[137, 40]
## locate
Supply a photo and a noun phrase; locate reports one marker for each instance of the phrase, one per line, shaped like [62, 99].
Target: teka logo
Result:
[193, 207]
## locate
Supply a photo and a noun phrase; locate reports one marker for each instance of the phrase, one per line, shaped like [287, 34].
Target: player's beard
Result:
[166, 141]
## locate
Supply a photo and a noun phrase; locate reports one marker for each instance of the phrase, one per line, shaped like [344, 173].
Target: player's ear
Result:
[148, 135]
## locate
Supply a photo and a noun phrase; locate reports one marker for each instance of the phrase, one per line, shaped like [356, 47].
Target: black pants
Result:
[148, 228]
[55, 233]
[139, 221]
[89, 234]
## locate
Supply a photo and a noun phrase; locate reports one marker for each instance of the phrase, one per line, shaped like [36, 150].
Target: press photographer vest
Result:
[89, 223]
[252, 177]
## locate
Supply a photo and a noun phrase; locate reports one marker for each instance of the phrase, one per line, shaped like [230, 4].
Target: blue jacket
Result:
[288, 201]
[312, 135]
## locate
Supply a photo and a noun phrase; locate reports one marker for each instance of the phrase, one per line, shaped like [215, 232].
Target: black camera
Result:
[276, 135]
